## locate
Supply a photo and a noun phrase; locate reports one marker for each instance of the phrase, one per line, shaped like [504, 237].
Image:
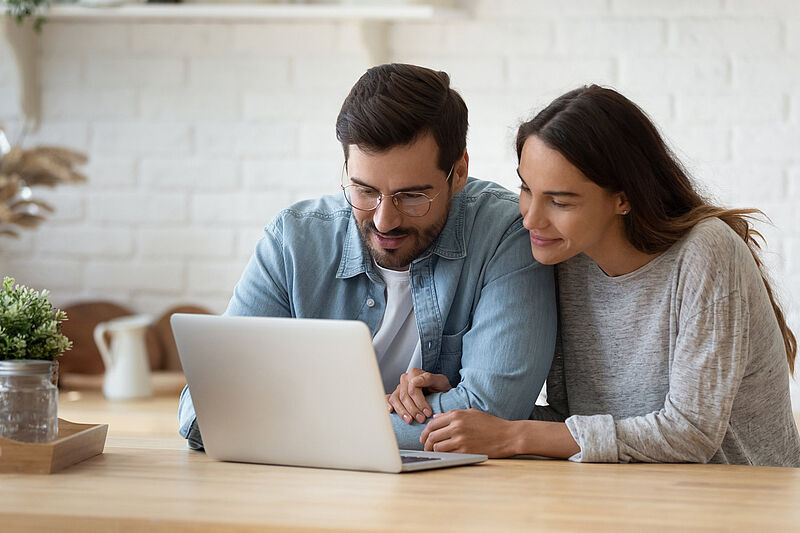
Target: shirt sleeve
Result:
[710, 356]
[506, 353]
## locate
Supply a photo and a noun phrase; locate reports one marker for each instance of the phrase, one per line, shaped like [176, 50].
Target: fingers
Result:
[433, 382]
[397, 406]
[412, 399]
[389, 403]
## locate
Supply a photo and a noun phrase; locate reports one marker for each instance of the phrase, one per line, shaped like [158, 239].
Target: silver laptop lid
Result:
[289, 391]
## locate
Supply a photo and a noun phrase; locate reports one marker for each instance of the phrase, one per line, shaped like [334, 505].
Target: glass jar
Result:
[28, 401]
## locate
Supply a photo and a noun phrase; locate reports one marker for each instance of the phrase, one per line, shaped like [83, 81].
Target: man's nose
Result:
[386, 217]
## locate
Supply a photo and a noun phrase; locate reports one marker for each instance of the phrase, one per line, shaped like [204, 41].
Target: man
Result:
[436, 264]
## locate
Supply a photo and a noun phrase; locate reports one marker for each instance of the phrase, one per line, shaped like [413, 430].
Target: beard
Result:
[399, 259]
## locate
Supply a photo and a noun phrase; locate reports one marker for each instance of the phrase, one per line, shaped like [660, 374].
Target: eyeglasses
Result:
[364, 198]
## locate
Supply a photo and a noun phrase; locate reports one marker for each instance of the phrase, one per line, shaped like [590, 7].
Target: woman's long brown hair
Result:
[614, 144]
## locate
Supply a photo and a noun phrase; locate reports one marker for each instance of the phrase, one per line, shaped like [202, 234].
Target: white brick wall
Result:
[199, 132]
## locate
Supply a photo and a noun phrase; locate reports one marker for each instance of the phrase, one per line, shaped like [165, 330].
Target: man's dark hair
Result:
[394, 104]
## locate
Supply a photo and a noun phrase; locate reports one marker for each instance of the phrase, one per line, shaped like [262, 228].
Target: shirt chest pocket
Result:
[450, 355]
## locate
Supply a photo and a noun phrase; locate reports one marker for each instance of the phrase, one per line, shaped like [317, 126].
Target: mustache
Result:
[397, 232]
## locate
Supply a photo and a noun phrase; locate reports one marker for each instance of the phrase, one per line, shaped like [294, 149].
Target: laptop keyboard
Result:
[417, 459]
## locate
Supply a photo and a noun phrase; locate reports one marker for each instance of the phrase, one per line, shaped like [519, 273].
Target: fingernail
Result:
[389, 407]
[420, 418]
[428, 412]
[407, 418]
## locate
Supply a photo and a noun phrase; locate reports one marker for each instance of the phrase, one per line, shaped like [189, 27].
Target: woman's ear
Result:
[623, 206]
[460, 173]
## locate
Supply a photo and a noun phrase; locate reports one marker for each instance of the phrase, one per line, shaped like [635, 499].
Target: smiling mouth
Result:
[389, 242]
[542, 241]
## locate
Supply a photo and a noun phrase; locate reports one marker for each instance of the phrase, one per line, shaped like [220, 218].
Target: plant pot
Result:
[28, 401]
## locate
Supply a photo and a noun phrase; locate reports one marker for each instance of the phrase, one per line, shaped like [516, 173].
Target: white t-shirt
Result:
[396, 342]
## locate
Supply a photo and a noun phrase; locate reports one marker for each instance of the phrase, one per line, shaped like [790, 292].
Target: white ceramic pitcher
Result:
[127, 365]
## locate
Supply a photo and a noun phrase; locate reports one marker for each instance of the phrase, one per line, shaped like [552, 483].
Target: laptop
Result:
[293, 391]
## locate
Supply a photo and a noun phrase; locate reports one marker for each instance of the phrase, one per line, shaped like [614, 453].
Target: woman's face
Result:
[564, 211]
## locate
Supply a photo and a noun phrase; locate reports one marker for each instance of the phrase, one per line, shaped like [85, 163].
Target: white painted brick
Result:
[549, 73]
[11, 247]
[293, 174]
[238, 138]
[326, 72]
[70, 134]
[467, 71]
[536, 9]
[248, 208]
[126, 138]
[491, 142]
[85, 241]
[186, 242]
[771, 71]
[597, 37]
[9, 103]
[673, 8]
[214, 278]
[60, 72]
[126, 71]
[189, 174]
[70, 39]
[283, 39]
[67, 201]
[133, 207]
[157, 304]
[182, 39]
[742, 183]
[658, 105]
[197, 104]
[726, 35]
[246, 241]
[515, 106]
[8, 68]
[297, 104]
[124, 275]
[794, 107]
[319, 141]
[104, 172]
[509, 37]
[793, 41]
[787, 8]
[236, 72]
[88, 104]
[775, 142]
[723, 107]
[793, 185]
[654, 72]
[51, 274]
[699, 143]
[416, 37]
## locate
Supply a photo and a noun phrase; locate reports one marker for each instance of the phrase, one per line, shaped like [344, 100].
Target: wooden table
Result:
[153, 483]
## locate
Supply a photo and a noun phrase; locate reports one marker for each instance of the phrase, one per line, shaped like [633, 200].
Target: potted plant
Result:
[19, 9]
[30, 340]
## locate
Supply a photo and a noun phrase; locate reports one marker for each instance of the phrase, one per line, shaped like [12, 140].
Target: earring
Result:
[626, 212]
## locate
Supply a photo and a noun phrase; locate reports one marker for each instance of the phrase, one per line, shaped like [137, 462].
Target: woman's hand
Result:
[469, 431]
[408, 399]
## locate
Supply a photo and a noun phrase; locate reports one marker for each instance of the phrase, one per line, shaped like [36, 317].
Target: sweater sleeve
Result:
[710, 356]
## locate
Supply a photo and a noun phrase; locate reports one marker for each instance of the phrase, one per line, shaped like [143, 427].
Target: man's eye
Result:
[365, 191]
[524, 188]
[410, 198]
[558, 204]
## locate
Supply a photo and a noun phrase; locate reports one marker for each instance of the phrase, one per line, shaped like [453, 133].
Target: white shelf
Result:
[248, 12]
[372, 19]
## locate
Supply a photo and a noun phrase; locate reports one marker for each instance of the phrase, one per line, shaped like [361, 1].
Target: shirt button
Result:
[430, 344]
[370, 302]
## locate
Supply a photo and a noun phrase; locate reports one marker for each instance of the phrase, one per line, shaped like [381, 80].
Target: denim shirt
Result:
[486, 310]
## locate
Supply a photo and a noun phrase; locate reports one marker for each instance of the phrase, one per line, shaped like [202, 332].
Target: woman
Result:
[672, 347]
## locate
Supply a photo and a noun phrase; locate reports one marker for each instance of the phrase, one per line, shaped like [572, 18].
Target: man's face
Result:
[395, 239]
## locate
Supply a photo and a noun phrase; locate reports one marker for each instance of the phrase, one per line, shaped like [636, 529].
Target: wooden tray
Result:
[75, 443]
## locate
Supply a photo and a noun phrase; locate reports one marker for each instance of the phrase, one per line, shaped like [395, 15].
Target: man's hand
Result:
[408, 399]
[469, 431]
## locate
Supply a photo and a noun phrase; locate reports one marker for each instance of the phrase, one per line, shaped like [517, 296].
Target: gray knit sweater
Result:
[679, 361]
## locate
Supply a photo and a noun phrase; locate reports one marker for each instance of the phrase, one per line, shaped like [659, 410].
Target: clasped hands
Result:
[458, 431]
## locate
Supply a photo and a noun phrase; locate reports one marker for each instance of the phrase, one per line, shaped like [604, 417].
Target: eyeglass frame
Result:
[395, 201]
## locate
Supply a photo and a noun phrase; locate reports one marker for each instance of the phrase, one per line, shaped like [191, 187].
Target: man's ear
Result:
[460, 173]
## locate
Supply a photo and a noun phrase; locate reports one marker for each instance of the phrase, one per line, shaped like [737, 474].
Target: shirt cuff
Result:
[597, 437]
